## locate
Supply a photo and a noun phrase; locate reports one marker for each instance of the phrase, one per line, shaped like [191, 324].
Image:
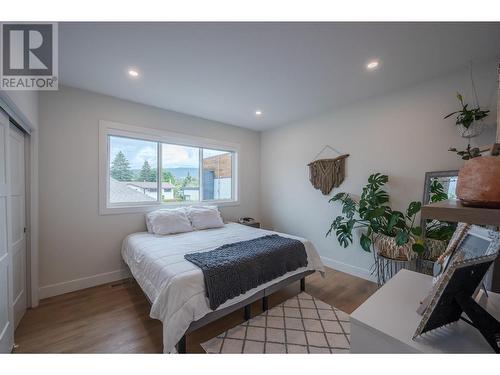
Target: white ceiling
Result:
[225, 71]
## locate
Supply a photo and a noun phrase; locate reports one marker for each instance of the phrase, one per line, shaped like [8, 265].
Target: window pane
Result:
[133, 166]
[181, 173]
[217, 174]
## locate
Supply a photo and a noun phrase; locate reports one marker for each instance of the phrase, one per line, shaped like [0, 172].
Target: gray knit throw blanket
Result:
[235, 268]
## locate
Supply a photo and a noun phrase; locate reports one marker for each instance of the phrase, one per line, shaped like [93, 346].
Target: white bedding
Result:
[175, 286]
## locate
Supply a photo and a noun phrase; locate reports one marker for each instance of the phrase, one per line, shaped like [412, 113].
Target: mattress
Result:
[175, 286]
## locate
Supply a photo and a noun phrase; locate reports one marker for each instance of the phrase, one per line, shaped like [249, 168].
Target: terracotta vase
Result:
[478, 182]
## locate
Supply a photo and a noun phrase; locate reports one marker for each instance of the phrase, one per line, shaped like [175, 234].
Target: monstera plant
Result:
[373, 216]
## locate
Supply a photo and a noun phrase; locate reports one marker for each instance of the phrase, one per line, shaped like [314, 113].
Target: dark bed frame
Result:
[245, 304]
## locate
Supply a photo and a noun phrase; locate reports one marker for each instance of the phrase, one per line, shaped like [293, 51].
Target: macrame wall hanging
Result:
[325, 174]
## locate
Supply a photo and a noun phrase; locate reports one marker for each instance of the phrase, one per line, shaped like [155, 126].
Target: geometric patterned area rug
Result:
[302, 324]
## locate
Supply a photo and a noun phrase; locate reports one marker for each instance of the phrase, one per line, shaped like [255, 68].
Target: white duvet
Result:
[175, 286]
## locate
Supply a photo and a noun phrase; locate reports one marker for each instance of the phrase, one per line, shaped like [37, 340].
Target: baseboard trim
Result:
[350, 269]
[82, 283]
[108, 277]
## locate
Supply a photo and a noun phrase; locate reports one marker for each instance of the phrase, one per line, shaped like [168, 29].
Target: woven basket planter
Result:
[387, 247]
[434, 248]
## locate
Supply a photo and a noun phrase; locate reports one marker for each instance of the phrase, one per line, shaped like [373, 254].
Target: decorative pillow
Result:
[168, 221]
[205, 217]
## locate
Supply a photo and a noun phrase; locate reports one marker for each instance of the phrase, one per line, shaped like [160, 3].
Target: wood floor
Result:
[114, 318]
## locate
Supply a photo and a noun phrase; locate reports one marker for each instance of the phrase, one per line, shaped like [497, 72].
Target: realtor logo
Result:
[29, 58]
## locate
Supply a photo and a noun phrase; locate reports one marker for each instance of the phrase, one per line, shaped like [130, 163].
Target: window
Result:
[132, 170]
[217, 174]
[181, 168]
[142, 168]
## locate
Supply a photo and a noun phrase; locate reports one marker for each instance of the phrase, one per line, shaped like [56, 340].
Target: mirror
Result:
[439, 186]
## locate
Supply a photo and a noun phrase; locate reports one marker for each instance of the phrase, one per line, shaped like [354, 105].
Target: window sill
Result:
[117, 210]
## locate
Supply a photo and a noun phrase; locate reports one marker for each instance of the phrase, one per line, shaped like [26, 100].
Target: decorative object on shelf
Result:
[325, 174]
[379, 220]
[477, 184]
[439, 186]
[472, 251]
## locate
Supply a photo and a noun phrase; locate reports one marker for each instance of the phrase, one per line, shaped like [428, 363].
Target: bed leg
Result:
[181, 345]
[248, 312]
[265, 303]
[303, 284]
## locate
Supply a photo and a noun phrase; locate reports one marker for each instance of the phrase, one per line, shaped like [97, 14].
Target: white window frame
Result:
[109, 128]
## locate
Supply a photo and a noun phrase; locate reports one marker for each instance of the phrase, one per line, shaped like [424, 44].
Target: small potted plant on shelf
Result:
[387, 232]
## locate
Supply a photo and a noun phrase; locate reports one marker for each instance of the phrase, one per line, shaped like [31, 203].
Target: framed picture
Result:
[470, 254]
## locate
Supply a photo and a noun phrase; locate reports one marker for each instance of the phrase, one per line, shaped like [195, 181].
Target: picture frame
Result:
[475, 249]
[430, 176]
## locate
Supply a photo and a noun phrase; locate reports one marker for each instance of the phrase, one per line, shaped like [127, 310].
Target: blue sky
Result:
[173, 156]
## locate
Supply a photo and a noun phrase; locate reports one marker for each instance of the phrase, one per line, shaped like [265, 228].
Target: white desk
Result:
[386, 322]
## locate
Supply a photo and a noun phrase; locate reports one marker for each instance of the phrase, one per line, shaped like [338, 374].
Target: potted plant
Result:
[467, 119]
[387, 232]
[477, 183]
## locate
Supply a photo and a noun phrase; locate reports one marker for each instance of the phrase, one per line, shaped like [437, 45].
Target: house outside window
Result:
[141, 169]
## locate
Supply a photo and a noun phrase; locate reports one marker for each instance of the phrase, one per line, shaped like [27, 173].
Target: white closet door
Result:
[6, 313]
[17, 222]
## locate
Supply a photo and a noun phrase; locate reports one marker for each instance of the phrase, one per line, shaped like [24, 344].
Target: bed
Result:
[175, 287]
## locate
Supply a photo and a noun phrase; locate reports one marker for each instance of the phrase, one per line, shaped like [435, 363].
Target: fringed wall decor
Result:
[325, 174]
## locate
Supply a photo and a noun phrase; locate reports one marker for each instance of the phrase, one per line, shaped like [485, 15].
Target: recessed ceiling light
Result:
[258, 112]
[372, 65]
[133, 73]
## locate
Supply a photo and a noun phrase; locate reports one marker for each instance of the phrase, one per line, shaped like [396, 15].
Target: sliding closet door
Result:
[17, 222]
[6, 314]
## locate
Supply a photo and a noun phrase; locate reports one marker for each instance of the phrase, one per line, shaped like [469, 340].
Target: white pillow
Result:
[148, 215]
[205, 217]
[168, 221]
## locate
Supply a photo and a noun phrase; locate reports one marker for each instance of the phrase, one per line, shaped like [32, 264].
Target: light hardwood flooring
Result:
[114, 318]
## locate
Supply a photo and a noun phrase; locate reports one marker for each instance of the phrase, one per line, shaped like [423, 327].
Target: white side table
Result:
[386, 322]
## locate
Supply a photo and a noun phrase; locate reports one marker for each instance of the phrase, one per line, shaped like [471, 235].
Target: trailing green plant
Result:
[374, 216]
[435, 229]
[469, 152]
[466, 116]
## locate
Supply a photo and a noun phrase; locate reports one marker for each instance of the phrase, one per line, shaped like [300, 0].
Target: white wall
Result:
[402, 134]
[78, 247]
